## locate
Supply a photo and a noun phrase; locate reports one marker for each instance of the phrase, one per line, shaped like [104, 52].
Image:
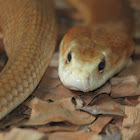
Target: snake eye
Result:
[101, 66]
[69, 57]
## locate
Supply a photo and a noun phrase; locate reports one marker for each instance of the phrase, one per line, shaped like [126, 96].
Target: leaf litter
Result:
[58, 111]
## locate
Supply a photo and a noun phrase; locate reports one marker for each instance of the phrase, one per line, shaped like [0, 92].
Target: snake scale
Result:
[30, 35]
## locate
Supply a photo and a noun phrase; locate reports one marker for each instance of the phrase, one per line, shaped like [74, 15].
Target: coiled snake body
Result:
[30, 34]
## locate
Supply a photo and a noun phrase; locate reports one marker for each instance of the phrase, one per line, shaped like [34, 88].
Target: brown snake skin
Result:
[30, 35]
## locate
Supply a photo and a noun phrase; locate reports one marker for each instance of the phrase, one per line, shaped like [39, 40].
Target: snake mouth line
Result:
[79, 84]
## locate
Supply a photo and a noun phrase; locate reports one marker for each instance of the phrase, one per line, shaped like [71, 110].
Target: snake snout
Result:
[78, 80]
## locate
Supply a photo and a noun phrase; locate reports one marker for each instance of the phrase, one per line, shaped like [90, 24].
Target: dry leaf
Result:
[112, 128]
[104, 89]
[136, 136]
[58, 111]
[113, 136]
[132, 133]
[132, 70]
[13, 118]
[103, 105]
[21, 134]
[48, 84]
[51, 72]
[58, 93]
[54, 60]
[133, 116]
[77, 101]
[71, 128]
[80, 135]
[124, 86]
[88, 97]
[50, 79]
[100, 123]
[130, 101]
[118, 120]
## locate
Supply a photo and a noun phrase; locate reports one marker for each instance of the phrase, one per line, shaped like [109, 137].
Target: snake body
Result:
[30, 34]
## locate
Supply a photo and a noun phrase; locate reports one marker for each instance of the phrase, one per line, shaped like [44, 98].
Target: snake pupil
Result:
[69, 57]
[101, 66]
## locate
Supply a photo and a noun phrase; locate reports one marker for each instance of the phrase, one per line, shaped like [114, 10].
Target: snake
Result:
[90, 54]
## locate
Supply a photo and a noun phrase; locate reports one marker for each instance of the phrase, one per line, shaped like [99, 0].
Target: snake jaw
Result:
[73, 83]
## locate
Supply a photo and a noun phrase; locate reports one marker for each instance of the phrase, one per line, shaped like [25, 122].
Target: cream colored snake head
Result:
[89, 56]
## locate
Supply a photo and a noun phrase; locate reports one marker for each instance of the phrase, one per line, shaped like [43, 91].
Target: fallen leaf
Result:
[58, 93]
[124, 86]
[136, 135]
[103, 104]
[130, 101]
[54, 60]
[104, 89]
[118, 120]
[90, 96]
[51, 72]
[134, 69]
[80, 135]
[48, 84]
[131, 133]
[50, 79]
[58, 111]
[77, 101]
[100, 123]
[21, 134]
[133, 116]
[13, 118]
[71, 128]
[112, 128]
[113, 136]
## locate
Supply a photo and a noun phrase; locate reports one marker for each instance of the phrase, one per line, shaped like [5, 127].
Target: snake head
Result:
[85, 58]
[82, 62]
